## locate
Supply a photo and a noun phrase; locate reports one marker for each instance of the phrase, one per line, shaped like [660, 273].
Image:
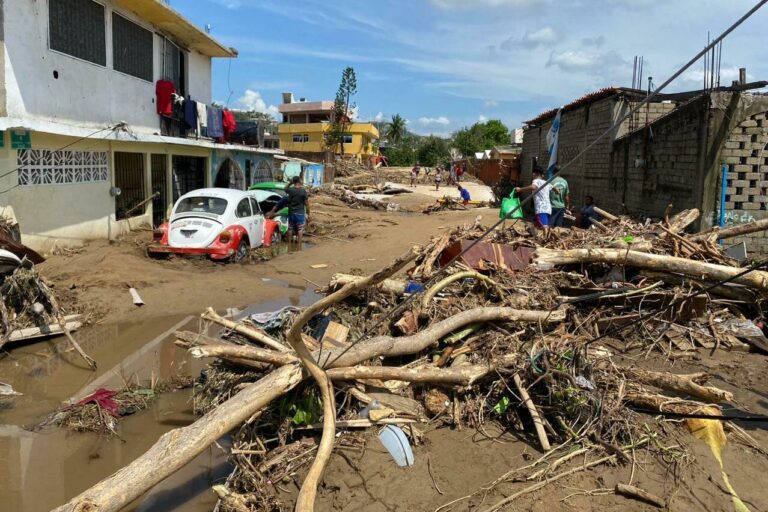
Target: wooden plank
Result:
[336, 335]
[31, 333]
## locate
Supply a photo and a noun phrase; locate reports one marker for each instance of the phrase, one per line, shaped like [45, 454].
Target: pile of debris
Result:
[366, 197]
[534, 334]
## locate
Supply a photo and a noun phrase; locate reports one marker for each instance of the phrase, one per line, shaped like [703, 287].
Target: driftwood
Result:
[680, 384]
[461, 375]
[631, 491]
[606, 215]
[715, 234]
[306, 498]
[179, 446]
[434, 290]
[682, 220]
[248, 332]
[543, 440]
[393, 286]
[656, 262]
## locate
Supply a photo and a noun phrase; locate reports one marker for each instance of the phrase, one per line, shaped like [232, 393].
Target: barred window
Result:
[43, 167]
[132, 48]
[76, 27]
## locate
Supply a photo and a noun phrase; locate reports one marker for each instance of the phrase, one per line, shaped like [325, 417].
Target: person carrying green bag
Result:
[510, 205]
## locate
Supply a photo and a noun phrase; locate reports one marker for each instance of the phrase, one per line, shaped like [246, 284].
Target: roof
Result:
[305, 106]
[184, 31]
[591, 97]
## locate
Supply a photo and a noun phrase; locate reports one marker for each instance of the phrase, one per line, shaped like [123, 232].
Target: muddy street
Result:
[44, 467]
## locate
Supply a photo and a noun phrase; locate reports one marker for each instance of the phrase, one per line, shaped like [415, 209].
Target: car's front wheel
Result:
[242, 251]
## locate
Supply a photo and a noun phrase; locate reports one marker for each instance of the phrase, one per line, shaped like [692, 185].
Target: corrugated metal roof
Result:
[174, 24]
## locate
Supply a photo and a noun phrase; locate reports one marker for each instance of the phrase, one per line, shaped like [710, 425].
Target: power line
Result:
[528, 199]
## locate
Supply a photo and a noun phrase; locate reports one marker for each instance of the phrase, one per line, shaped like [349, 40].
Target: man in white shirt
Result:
[541, 203]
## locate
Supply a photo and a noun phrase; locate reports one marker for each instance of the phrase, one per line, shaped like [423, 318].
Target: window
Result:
[76, 27]
[213, 205]
[300, 137]
[174, 66]
[187, 174]
[132, 48]
[243, 208]
[255, 206]
[347, 138]
[43, 167]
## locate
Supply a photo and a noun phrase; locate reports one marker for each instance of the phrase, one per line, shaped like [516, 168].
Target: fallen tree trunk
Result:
[722, 234]
[248, 332]
[679, 384]
[179, 446]
[306, 499]
[176, 448]
[462, 375]
[656, 262]
[393, 286]
[661, 403]
[242, 352]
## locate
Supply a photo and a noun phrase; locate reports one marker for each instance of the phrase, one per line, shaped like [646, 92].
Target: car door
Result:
[257, 237]
[244, 215]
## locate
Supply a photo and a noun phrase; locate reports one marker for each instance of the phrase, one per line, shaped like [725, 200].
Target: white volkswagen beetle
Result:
[219, 222]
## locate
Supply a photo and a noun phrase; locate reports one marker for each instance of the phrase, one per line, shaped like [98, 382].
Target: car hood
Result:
[193, 231]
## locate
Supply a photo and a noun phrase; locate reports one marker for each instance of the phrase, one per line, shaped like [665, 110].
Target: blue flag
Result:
[552, 138]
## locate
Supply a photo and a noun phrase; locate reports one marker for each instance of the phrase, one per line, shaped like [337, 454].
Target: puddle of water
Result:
[41, 470]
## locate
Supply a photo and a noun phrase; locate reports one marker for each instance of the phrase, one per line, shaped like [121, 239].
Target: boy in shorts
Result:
[541, 203]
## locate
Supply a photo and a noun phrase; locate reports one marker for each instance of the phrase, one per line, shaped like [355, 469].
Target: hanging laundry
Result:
[215, 126]
[165, 91]
[190, 114]
[228, 123]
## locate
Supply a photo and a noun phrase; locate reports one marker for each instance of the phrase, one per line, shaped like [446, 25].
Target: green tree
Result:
[404, 154]
[342, 106]
[432, 151]
[396, 130]
[496, 134]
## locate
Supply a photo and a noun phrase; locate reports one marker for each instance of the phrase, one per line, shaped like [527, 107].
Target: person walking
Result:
[541, 203]
[297, 200]
[438, 178]
[560, 197]
[414, 175]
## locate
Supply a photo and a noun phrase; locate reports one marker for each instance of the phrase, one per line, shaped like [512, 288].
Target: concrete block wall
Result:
[591, 174]
[746, 157]
[655, 167]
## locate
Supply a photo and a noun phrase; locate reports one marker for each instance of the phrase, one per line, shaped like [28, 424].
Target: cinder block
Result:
[749, 123]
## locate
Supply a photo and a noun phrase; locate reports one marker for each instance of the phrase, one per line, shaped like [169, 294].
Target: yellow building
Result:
[305, 125]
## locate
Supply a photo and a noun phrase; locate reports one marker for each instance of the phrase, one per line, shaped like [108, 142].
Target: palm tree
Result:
[396, 129]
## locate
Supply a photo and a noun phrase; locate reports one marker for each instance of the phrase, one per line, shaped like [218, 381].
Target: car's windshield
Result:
[214, 205]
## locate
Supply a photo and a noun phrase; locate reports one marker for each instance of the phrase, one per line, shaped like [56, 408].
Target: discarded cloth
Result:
[103, 398]
[165, 91]
[273, 319]
[215, 126]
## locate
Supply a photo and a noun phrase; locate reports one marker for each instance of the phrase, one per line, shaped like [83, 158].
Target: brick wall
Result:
[590, 174]
[746, 157]
[660, 165]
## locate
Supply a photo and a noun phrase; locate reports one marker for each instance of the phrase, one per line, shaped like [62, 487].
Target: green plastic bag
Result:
[510, 204]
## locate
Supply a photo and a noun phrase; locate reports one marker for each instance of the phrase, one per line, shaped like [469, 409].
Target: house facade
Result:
[88, 133]
[305, 125]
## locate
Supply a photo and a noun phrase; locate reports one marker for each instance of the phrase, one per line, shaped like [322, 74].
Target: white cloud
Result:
[597, 42]
[545, 37]
[490, 103]
[229, 4]
[695, 77]
[379, 117]
[252, 100]
[481, 119]
[585, 61]
[426, 121]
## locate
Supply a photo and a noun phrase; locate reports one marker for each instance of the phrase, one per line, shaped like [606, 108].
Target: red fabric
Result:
[103, 398]
[229, 123]
[165, 91]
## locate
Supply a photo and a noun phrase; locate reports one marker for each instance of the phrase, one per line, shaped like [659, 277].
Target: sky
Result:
[445, 64]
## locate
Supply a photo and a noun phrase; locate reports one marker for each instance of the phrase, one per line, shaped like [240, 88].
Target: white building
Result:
[79, 116]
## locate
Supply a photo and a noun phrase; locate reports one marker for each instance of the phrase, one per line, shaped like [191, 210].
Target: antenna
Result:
[208, 28]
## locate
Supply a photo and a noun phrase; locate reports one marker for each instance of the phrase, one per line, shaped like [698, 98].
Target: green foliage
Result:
[433, 151]
[304, 411]
[396, 130]
[342, 105]
[481, 136]
[404, 154]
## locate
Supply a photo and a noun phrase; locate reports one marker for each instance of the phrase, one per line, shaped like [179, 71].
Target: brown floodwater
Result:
[43, 468]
